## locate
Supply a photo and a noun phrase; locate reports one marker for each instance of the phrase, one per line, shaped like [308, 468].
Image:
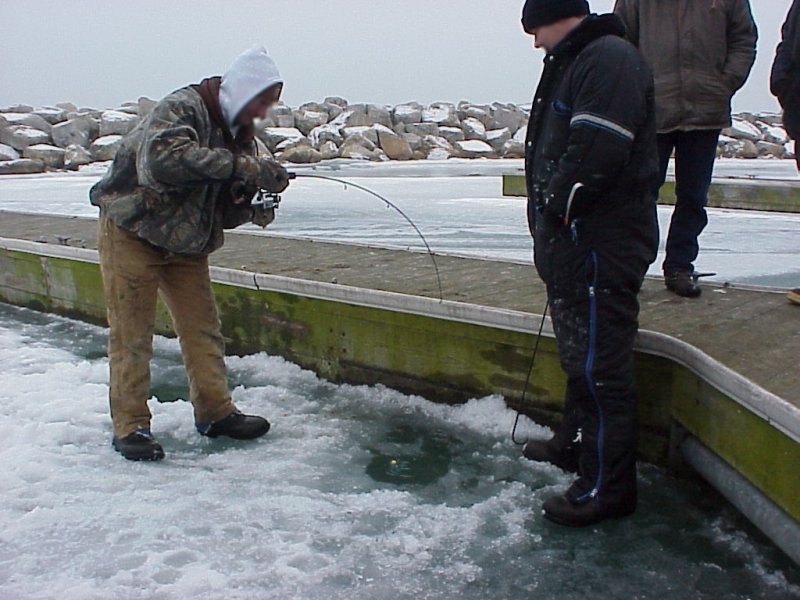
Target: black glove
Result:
[264, 173]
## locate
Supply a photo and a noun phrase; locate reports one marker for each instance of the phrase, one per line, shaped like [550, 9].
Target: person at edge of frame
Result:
[591, 166]
[784, 84]
[183, 175]
[701, 53]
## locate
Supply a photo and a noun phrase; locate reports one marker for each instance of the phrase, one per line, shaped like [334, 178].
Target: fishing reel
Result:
[265, 204]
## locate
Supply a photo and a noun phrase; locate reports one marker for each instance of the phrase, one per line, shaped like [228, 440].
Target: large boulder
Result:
[21, 166]
[437, 148]
[325, 133]
[144, 106]
[407, 113]
[513, 149]
[8, 153]
[20, 137]
[414, 141]
[474, 149]
[274, 136]
[51, 114]
[67, 107]
[466, 111]
[362, 140]
[442, 114]
[506, 115]
[282, 115]
[105, 147]
[130, 107]
[422, 129]
[743, 130]
[306, 118]
[773, 133]
[30, 119]
[338, 101]
[302, 154]
[379, 115]
[17, 108]
[371, 132]
[333, 110]
[354, 116]
[116, 122]
[328, 150]
[770, 149]
[394, 146]
[51, 156]
[497, 138]
[76, 156]
[79, 130]
[452, 134]
[358, 147]
[473, 129]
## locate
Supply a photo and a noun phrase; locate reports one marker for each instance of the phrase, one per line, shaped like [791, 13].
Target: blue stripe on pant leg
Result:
[588, 375]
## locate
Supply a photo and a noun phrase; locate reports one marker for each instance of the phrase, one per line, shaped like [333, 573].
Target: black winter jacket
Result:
[785, 79]
[591, 143]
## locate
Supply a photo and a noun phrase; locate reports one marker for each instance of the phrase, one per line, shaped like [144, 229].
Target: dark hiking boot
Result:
[561, 510]
[139, 445]
[683, 283]
[539, 451]
[237, 426]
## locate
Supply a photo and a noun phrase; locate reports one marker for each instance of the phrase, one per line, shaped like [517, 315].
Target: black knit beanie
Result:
[537, 13]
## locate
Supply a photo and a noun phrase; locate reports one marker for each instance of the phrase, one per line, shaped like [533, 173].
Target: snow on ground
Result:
[357, 492]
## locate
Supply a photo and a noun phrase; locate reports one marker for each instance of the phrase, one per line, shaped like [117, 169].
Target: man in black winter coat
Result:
[591, 167]
[785, 79]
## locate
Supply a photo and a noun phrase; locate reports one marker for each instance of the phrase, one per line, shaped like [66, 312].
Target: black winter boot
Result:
[139, 445]
[683, 283]
[561, 510]
[237, 426]
[539, 451]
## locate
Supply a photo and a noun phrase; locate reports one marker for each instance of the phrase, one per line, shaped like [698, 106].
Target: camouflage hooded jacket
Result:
[170, 180]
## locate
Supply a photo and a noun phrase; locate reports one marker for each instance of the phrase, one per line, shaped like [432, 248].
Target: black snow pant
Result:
[593, 271]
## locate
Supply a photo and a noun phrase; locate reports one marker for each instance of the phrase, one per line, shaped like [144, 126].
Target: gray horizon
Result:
[101, 53]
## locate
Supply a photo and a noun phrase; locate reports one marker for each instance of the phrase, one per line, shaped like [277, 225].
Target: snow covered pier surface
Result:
[720, 370]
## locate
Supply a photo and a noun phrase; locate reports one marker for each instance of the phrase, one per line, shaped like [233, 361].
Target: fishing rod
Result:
[528, 378]
[268, 200]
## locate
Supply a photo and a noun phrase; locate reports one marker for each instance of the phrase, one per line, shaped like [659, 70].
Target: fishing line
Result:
[389, 204]
[528, 378]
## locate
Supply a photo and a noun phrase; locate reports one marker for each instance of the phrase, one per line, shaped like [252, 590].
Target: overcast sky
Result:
[102, 52]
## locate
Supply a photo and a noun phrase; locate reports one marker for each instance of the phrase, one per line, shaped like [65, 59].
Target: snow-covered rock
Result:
[76, 156]
[474, 129]
[452, 134]
[20, 137]
[474, 149]
[8, 153]
[51, 114]
[273, 136]
[506, 115]
[337, 100]
[481, 113]
[115, 122]
[442, 114]
[353, 150]
[520, 135]
[414, 141]
[51, 156]
[407, 113]
[17, 108]
[497, 138]
[30, 119]
[437, 148]
[79, 130]
[513, 149]
[105, 147]
[774, 134]
[379, 115]
[144, 106]
[788, 150]
[306, 120]
[360, 139]
[325, 133]
[282, 116]
[21, 166]
[769, 149]
[369, 132]
[743, 130]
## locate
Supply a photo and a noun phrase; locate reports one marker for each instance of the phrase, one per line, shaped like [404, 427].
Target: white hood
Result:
[250, 74]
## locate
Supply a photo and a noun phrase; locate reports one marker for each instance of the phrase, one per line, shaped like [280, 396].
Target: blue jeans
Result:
[695, 152]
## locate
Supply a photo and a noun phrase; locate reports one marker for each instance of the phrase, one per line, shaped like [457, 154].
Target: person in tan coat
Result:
[701, 53]
[185, 174]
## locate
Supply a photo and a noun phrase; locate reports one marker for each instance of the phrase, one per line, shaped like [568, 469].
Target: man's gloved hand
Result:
[262, 172]
[262, 216]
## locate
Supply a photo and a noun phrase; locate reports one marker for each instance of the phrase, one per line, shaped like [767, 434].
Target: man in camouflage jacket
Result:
[185, 174]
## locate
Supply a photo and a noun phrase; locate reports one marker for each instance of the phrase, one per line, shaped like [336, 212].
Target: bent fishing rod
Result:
[269, 200]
